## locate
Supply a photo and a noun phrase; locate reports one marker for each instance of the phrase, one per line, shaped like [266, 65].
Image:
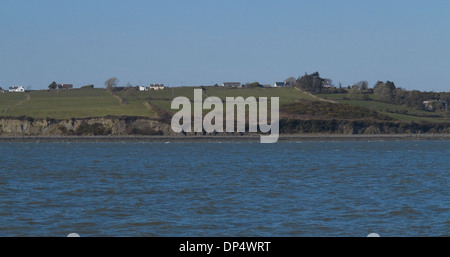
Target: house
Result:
[156, 86]
[64, 86]
[282, 84]
[19, 89]
[231, 84]
[143, 88]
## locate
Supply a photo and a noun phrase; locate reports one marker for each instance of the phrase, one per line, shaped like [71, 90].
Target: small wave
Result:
[403, 211]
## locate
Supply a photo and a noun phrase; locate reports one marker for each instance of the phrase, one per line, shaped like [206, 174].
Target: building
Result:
[64, 86]
[282, 84]
[326, 83]
[19, 89]
[231, 84]
[156, 86]
[143, 88]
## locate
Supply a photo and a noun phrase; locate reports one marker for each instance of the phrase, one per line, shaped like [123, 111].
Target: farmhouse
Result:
[231, 84]
[157, 86]
[19, 89]
[143, 88]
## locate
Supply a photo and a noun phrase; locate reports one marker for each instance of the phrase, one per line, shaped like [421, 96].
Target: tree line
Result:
[385, 91]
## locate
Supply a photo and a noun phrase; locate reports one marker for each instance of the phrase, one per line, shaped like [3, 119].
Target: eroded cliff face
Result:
[120, 126]
[86, 126]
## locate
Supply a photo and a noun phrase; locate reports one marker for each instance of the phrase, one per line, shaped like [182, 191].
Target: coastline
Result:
[230, 138]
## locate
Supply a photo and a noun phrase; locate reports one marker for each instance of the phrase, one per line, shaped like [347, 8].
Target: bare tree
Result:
[111, 82]
[290, 81]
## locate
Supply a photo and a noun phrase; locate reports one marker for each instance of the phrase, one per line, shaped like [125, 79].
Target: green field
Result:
[66, 104]
[163, 98]
[85, 103]
[286, 95]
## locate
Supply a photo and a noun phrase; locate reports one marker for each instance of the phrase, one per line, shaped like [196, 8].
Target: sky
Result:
[198, 42]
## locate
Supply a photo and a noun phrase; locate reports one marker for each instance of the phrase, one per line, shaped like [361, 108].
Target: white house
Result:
[326, 83]
[231, 84]
[156, 86]
[17, 89]
[143, 88]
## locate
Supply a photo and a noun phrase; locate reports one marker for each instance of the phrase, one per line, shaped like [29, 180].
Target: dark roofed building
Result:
[65, 86]
[282, 84]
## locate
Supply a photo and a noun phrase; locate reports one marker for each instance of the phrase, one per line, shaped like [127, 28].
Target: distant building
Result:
[326, 83]
[143, 88]
[64, 86]
[19, 89]
[231, 84]
[156, 86]
[435, 104]
[282, 84]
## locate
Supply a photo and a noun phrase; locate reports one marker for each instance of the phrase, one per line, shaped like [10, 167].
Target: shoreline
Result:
[230, 138]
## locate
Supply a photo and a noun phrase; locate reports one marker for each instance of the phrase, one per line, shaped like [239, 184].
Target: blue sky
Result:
[190, 42]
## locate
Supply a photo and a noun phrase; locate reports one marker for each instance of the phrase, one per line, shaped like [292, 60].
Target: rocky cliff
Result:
[24, 126]
[119, 126]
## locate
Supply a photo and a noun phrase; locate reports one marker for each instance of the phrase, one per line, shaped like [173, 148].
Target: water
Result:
[393, 188]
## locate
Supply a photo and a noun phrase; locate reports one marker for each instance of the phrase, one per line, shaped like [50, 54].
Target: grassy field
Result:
[286, 95]
[163, 98]
[84, 103]
[66, 104]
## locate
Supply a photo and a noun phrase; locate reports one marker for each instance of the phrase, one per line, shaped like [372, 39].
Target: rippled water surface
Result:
[394, 188]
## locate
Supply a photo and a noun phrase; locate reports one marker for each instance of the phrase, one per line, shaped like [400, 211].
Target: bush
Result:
[87, 87]
[326, 110]
[92, 129]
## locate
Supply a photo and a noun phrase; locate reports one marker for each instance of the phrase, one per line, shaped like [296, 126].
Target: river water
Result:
[286, 189]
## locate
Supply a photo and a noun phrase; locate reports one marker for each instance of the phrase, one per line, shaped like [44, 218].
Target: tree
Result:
[253, 85]
[111, 82]
[354, 92]
[390, 85]
[385, 91]
[364, 85]
[53, 85]
[290, 81]
[312, 83]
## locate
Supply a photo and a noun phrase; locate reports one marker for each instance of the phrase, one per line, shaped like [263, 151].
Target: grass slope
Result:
[84, 103]
[66, 104]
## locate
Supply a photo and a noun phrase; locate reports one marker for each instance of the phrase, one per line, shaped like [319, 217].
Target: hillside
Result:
[103, 112]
